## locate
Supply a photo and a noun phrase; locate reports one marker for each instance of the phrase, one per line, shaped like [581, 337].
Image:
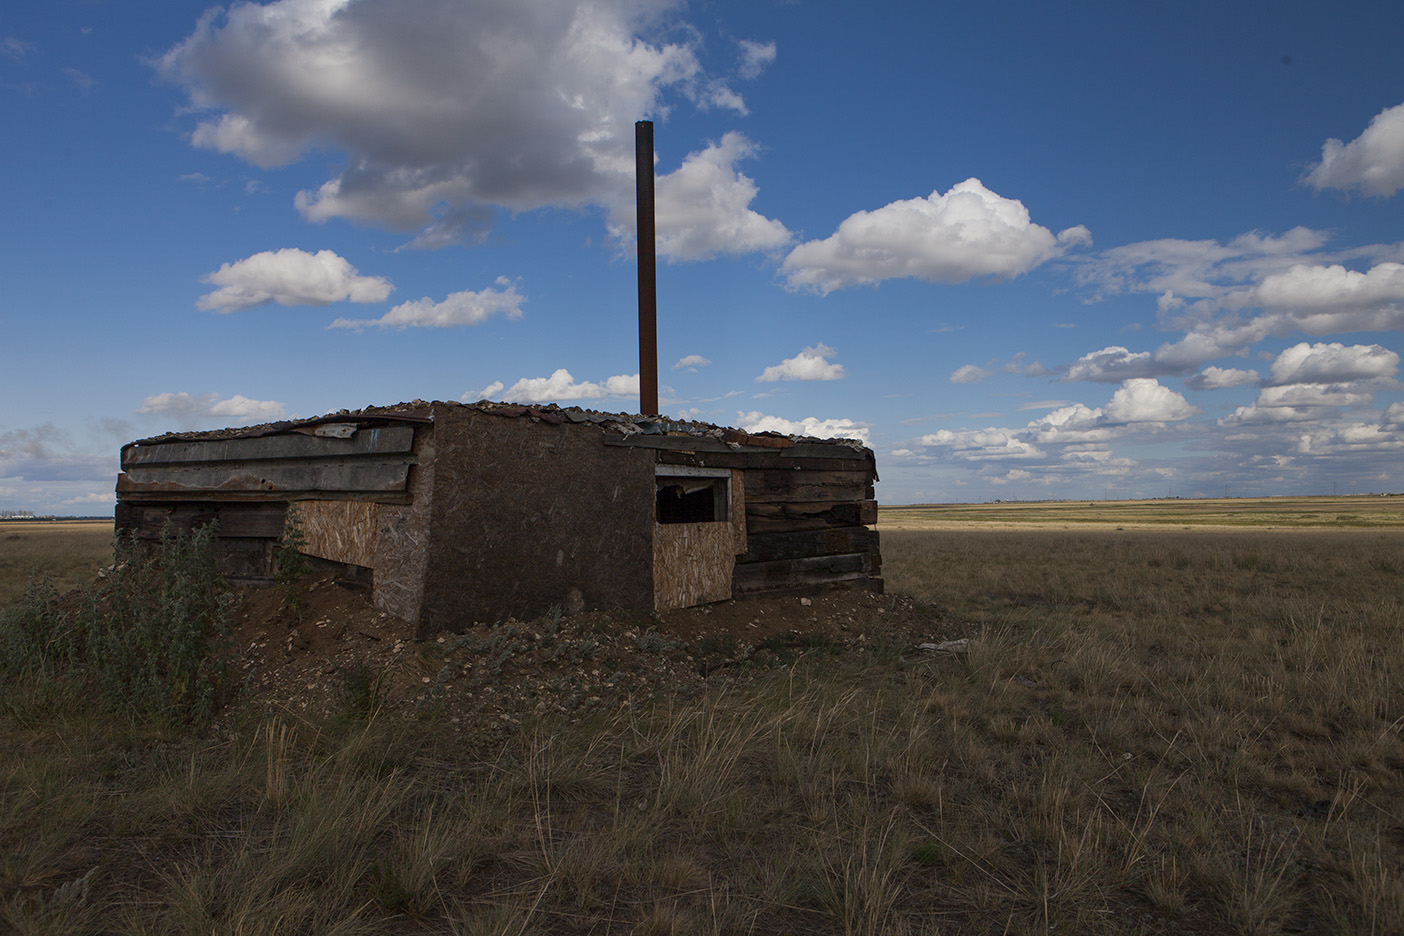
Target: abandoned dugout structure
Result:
[456, 514]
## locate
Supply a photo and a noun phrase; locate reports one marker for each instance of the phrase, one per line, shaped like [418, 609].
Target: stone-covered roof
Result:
[625, 424]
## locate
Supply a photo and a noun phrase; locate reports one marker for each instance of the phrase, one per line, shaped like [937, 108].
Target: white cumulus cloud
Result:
[968, 373]
[1308, 288]
[809, 364]
[1299, 395]
[966, 233]
[1222, 378]
[691, 363]
[189, 409]
[1071, 435]
[487, 393]
[458, 309]
[562, 386]
[440, 107]
[702, 208]
[755, 56]
[1144, 400]
[1372, 163]
[1332, 363]
[290, 277]
[1114, 363]
[989, 444]
[756, 421]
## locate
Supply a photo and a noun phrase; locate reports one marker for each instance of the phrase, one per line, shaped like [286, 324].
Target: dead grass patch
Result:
[1144, 734]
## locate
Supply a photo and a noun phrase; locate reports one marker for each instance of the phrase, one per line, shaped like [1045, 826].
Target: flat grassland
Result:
[68, 551]
[1145, 730]
[1357, 511]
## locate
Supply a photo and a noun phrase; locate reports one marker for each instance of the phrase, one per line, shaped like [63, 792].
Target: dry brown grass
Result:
[1148, 734]
[68, 552]
[1351, 512]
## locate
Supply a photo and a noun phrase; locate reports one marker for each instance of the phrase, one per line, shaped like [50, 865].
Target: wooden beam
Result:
[781, 485]
[764, 547]
[853, 582]
[753, 459]
[769, 517]
[689, 443]
[371, 441]
[268, 477]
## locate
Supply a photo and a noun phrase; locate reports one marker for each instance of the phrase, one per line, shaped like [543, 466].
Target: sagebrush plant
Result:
[36, 635]
[291, 567]
[146, 640]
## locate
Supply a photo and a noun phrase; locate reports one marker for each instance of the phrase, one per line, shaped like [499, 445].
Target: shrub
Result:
[147, 640]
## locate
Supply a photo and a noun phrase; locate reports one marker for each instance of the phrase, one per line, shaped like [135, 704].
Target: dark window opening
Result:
[692, 500]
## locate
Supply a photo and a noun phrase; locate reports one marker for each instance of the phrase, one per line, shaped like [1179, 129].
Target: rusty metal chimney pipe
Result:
[648, 269]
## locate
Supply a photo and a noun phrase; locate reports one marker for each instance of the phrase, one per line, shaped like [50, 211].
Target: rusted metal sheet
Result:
[374, 441]
[269, 477]
[692, 563]
[342, 531]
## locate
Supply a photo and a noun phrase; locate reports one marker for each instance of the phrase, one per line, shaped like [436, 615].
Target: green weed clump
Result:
[146, 641]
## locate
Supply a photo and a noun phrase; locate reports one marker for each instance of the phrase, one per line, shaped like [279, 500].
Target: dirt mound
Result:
[323, 648]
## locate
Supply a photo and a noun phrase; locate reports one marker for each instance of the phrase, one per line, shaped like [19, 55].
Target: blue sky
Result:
[1024, 250]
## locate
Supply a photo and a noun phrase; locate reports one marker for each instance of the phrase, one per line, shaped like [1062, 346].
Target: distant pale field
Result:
[1348, 512]
[67, 551]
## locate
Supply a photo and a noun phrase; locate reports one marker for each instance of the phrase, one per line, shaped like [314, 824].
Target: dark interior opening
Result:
[691, 500]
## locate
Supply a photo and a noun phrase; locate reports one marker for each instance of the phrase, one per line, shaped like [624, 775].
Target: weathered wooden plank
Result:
[801, 451]
[369, 473]
[773, 485]
[751, 460]
[382, 440]
[738, 510]
[807, 568]
[745, 587]
[236, 521]
[773, 517]
[271, 497]
[764, 547]
[851, 583]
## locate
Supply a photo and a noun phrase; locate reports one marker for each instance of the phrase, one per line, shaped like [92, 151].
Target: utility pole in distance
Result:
[648, 269]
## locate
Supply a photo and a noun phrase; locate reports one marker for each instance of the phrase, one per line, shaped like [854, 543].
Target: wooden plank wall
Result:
[340, 473]
[808, 530]
[372, 462]
[809, 511]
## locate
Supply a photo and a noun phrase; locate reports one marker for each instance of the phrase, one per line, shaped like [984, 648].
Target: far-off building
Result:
[455, 514]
